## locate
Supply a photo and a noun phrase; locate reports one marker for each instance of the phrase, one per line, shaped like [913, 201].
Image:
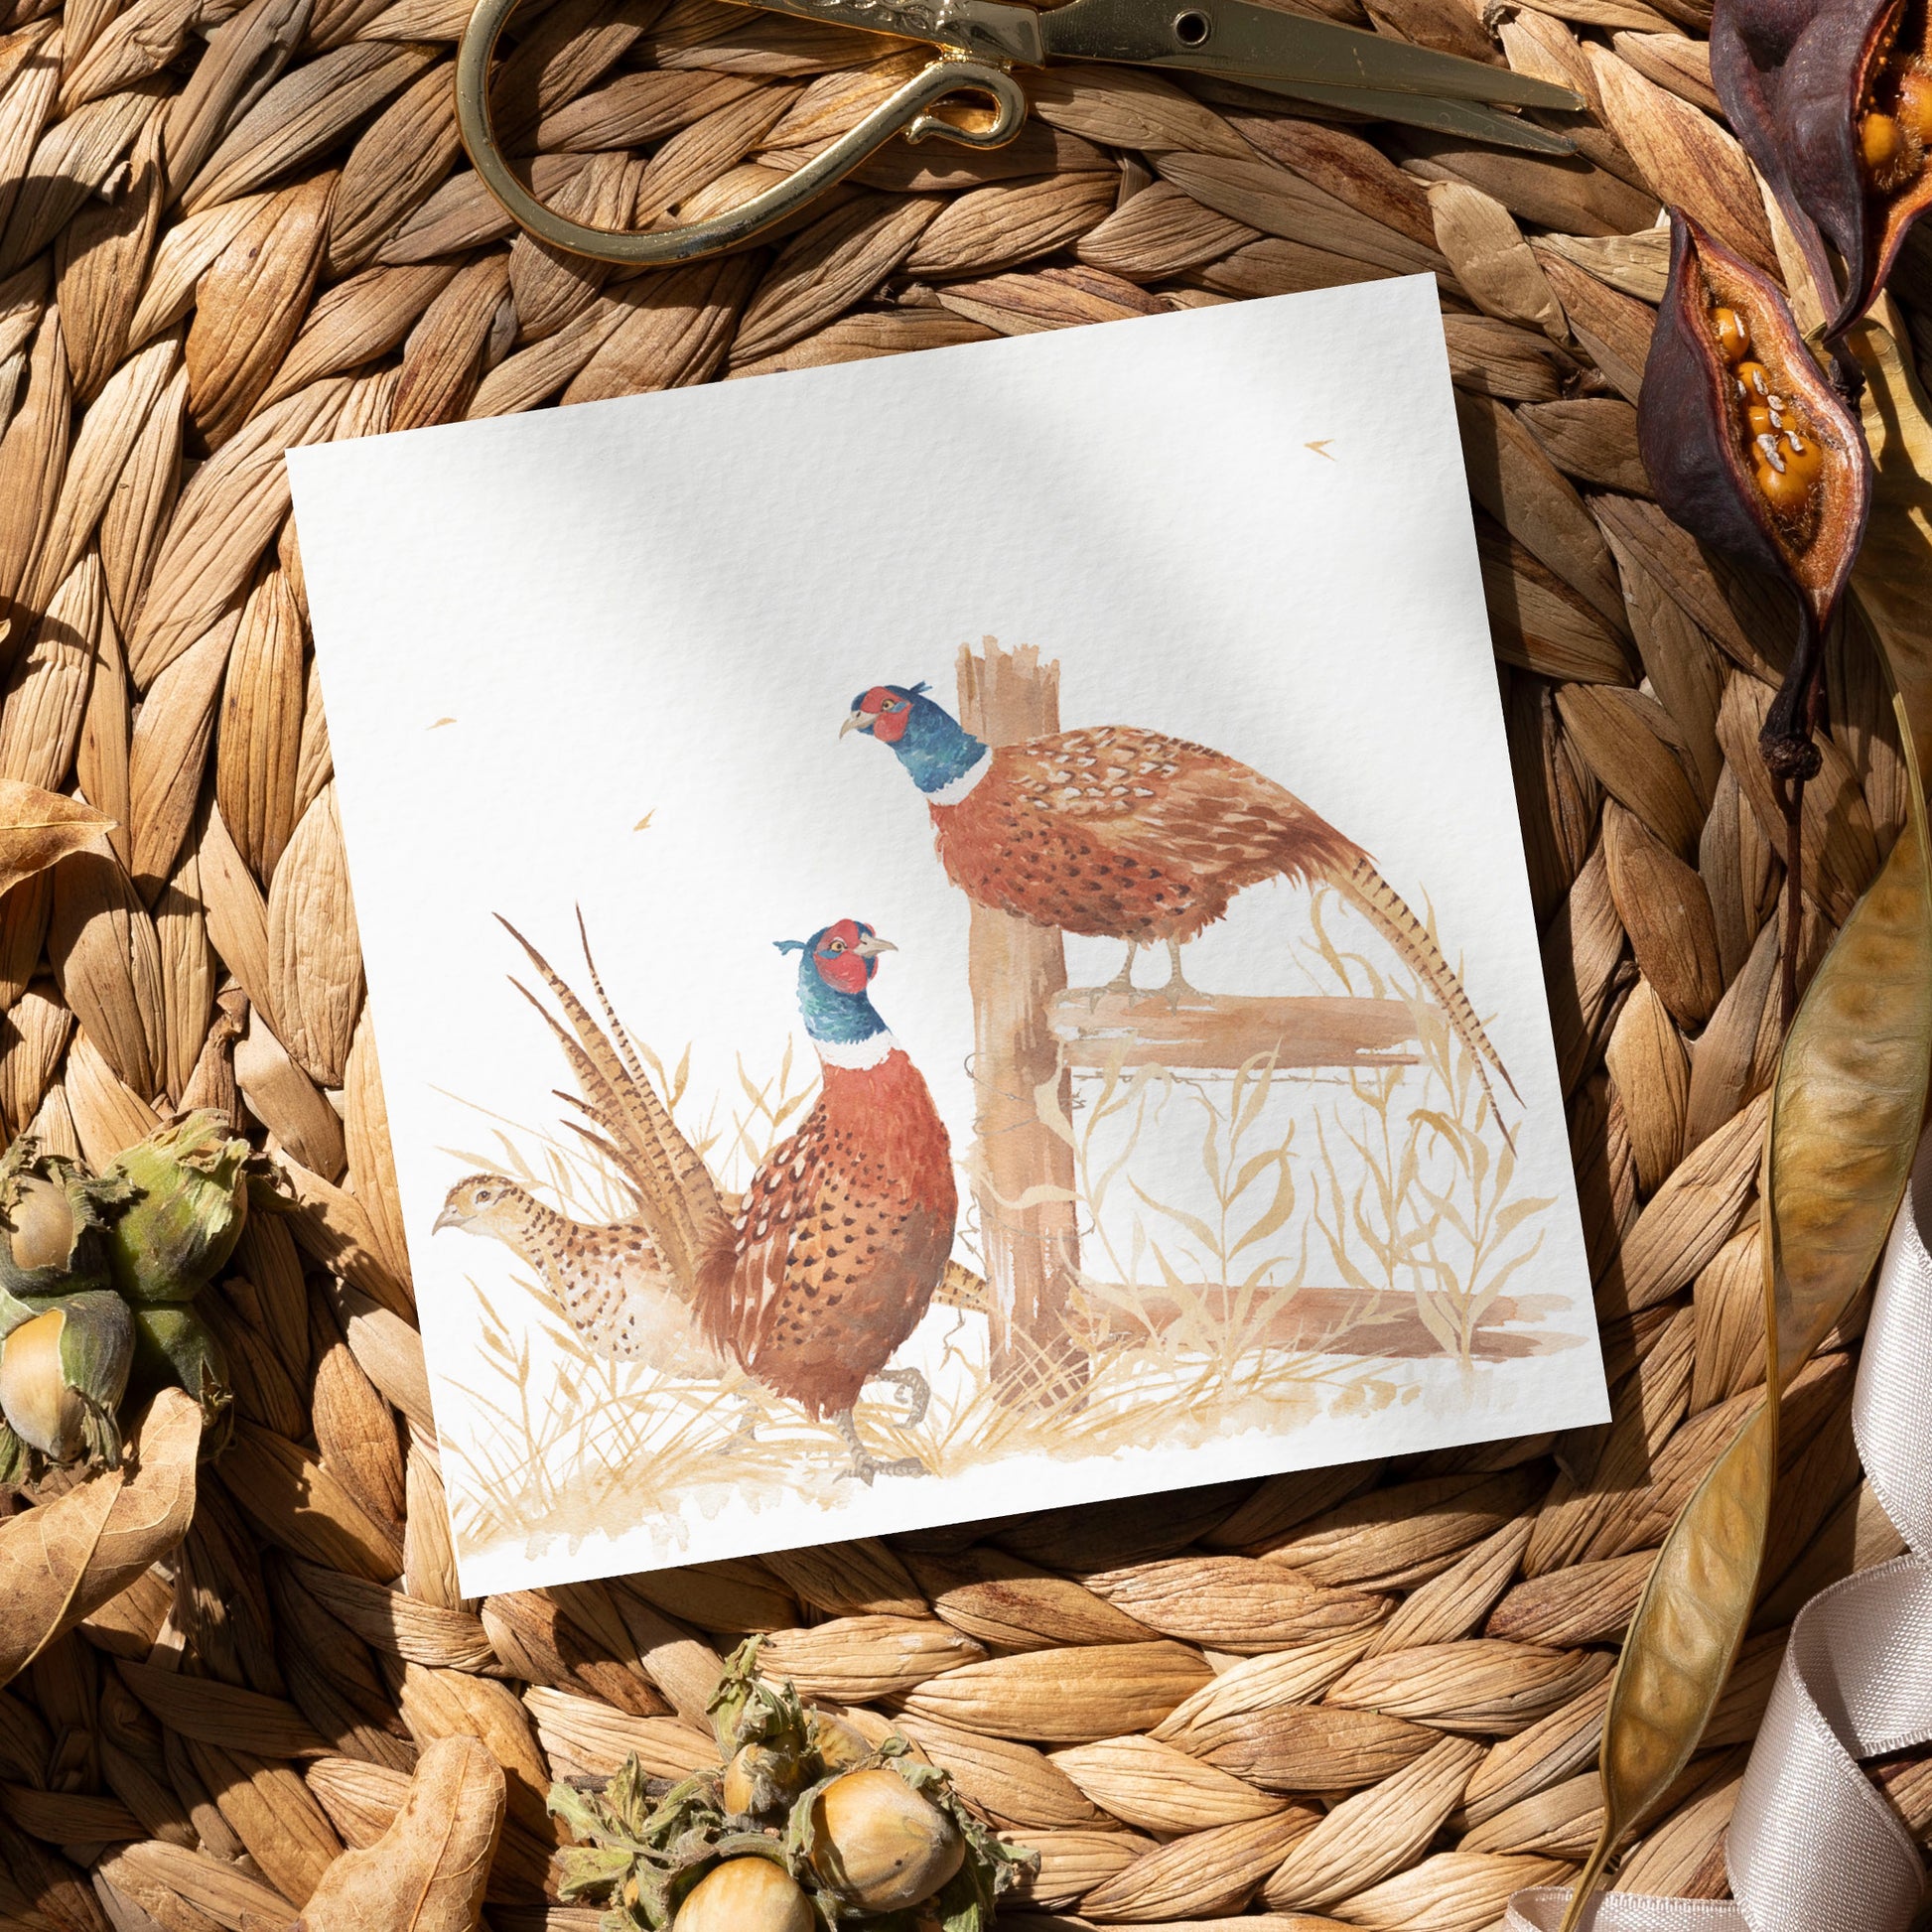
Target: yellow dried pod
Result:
[879, 1846]
[745, 1895]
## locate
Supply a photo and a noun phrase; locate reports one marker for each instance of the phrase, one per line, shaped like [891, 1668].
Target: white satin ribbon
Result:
[1813, 1846]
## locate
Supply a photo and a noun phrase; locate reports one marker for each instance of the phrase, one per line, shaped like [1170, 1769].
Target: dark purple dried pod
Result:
[1833, 100]
[1715, 471]
[1756, 453]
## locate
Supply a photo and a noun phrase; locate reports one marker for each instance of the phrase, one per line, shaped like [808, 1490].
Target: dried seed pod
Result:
[1749, 446]
[877, 1846]
[1754, 453]
[186, 1218]
[750, 1894]
[63, 1373]
[1833, 102]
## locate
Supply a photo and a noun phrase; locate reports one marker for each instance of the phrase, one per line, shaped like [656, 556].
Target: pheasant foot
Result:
[1177, 988]
[1121, 983]
[745, 1436]
[865, 1467]
[914, 1386]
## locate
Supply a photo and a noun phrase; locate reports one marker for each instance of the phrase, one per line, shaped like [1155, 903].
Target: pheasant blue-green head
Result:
[835, 975]
[934, 748]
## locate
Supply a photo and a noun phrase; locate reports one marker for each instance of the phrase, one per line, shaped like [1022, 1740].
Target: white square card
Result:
[866, 722]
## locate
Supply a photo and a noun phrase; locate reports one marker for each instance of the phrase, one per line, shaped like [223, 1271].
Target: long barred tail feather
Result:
[674, 1190]
[1389, 912]
[694, 1177]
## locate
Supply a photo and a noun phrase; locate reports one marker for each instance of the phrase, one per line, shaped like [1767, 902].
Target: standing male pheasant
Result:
[1126, 834]
[835, 1251]
[843, 1235]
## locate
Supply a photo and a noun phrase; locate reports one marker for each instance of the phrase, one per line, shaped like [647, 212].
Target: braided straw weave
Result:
[224, 232]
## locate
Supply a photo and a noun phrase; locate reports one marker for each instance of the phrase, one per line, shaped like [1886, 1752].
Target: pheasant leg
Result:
[1121, 983]
[1177, 988]
[914, 1386]
[865, 1466]
[745, 1435]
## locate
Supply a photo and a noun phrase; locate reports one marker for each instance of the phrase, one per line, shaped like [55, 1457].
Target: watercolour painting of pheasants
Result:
[846, 1313]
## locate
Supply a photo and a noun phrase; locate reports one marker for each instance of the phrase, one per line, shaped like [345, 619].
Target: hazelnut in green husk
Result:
[837, 1746]
[748, 1894]
[63, 1369]
[172, 1344]
[760, 1780]
[873, 1840]
[189, 1199]
[53, 1217]
[877, 1846]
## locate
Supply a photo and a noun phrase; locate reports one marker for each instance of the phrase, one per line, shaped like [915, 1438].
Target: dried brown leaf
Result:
[428, 1871]
[1162, 230]
[62, 1560]
[1491, 261]
[301, 116]
[39, 828]
[1685, 155]
[223, 523]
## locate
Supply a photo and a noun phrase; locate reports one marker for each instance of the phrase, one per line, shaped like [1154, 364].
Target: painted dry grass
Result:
[1398, 1182]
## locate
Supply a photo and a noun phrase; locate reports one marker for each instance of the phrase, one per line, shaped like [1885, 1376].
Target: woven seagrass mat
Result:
[223, 234]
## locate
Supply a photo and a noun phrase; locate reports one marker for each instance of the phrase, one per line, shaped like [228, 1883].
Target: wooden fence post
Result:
[1028, 1231]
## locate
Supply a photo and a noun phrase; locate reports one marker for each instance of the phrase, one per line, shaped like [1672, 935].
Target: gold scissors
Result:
[980, 41]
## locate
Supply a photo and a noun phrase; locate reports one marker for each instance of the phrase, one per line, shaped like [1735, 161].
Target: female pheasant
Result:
[835, 1251]
[1127, 834]
[608, 1278]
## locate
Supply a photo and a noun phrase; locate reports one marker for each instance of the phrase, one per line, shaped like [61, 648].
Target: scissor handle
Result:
[903, 112]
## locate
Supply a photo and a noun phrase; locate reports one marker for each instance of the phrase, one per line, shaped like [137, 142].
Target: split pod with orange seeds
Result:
[1833, 100]
[1756, 453]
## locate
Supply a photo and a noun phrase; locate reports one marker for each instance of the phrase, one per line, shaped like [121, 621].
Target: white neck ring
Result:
[954, 789]
[857, 1055]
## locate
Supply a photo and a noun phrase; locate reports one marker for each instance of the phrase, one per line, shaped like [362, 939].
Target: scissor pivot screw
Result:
[1192, 28]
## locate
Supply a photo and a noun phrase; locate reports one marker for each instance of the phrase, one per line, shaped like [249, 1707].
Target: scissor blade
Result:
[994, 30]
[1245, 42]
[1460, 117]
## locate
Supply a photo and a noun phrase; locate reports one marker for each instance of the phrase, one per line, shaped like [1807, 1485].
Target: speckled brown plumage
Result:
[1128, 834]
[839, 1240]
[1120, 833]
[609, 1279]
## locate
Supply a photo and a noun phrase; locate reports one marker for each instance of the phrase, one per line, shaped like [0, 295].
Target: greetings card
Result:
[948, 935]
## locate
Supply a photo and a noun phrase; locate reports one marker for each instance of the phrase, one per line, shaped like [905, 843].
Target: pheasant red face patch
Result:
[889, 710]
[838, 964]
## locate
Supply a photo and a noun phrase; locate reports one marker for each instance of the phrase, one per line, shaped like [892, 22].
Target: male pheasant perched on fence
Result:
[1126, 834]
[835, 1251]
